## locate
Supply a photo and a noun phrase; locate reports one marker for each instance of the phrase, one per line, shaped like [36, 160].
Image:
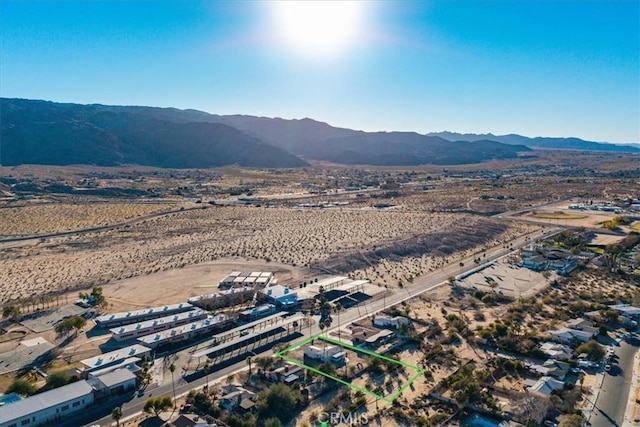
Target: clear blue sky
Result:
[538, 68]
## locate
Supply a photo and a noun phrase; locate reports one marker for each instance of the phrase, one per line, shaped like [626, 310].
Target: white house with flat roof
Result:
[135, 330]
[327, 353]
[128, 317]
[383, 321]
[50, 407]
[186, 332]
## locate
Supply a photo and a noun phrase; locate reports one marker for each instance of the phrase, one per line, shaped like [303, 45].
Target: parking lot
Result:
[45, 320]
[505, 278]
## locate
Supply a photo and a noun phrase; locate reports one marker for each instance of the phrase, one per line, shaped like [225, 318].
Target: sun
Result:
[318, 28]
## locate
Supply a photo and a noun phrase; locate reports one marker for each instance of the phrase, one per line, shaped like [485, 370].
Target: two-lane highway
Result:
[612, 400]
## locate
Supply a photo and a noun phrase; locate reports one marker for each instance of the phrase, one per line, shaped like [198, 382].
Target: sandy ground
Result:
[178, 285]
[293, 237]
[54, 217]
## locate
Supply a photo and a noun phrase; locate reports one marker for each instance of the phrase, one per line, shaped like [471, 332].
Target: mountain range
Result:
[541, 142]
[43, 132]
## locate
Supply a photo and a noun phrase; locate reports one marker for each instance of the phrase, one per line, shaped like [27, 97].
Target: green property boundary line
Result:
[419, 371]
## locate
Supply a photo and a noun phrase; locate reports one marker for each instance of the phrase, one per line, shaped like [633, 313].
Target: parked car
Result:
[607, 367]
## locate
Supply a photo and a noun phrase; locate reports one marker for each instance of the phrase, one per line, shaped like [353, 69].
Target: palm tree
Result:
[116, 414]
[206, 374]
[172, 369]
[321, 325]
[338, 307]
[248, 360]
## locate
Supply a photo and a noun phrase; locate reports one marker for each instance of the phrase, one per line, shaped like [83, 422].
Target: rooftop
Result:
[184, 330]
[44, 400]
[115, 356]
[183, 306]
[116, 377]
[194, 314]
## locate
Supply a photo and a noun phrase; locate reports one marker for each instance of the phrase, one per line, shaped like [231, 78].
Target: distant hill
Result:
[43, 132]
[541, 142]
[408, 148]
[316, 140]
[40, 132]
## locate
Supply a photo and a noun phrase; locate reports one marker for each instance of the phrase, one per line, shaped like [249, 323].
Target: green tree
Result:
[328, 368]
[116, 414]
[592, 349]
[22, 387]
[12, 312]
[58, 379]
[70, 323]
[96, 297]
[279, 401]
[573, 420]
[273, 422]
[158, 404]
[264, 362]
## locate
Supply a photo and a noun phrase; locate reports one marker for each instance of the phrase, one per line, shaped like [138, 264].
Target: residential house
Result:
[552, 368]
[626, 310]
[383, 321]
[556, 350]
[570, 336]
[236, 397]
[545, 386]
[288, 374]
[325, 353]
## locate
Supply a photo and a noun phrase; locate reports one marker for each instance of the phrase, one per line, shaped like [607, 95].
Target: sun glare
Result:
[318, 28]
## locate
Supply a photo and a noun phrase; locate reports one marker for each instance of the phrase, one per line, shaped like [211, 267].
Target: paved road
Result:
[612, 401]
[12, 239]
[422, 284]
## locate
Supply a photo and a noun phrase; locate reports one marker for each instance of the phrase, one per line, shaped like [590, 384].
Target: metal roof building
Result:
[113, 357]
[128, 317]
[280, 295]
[147, 327]
[186, 332]
[47, 407]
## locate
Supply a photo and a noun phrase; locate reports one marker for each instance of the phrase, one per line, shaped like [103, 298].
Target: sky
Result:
[536, 68]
